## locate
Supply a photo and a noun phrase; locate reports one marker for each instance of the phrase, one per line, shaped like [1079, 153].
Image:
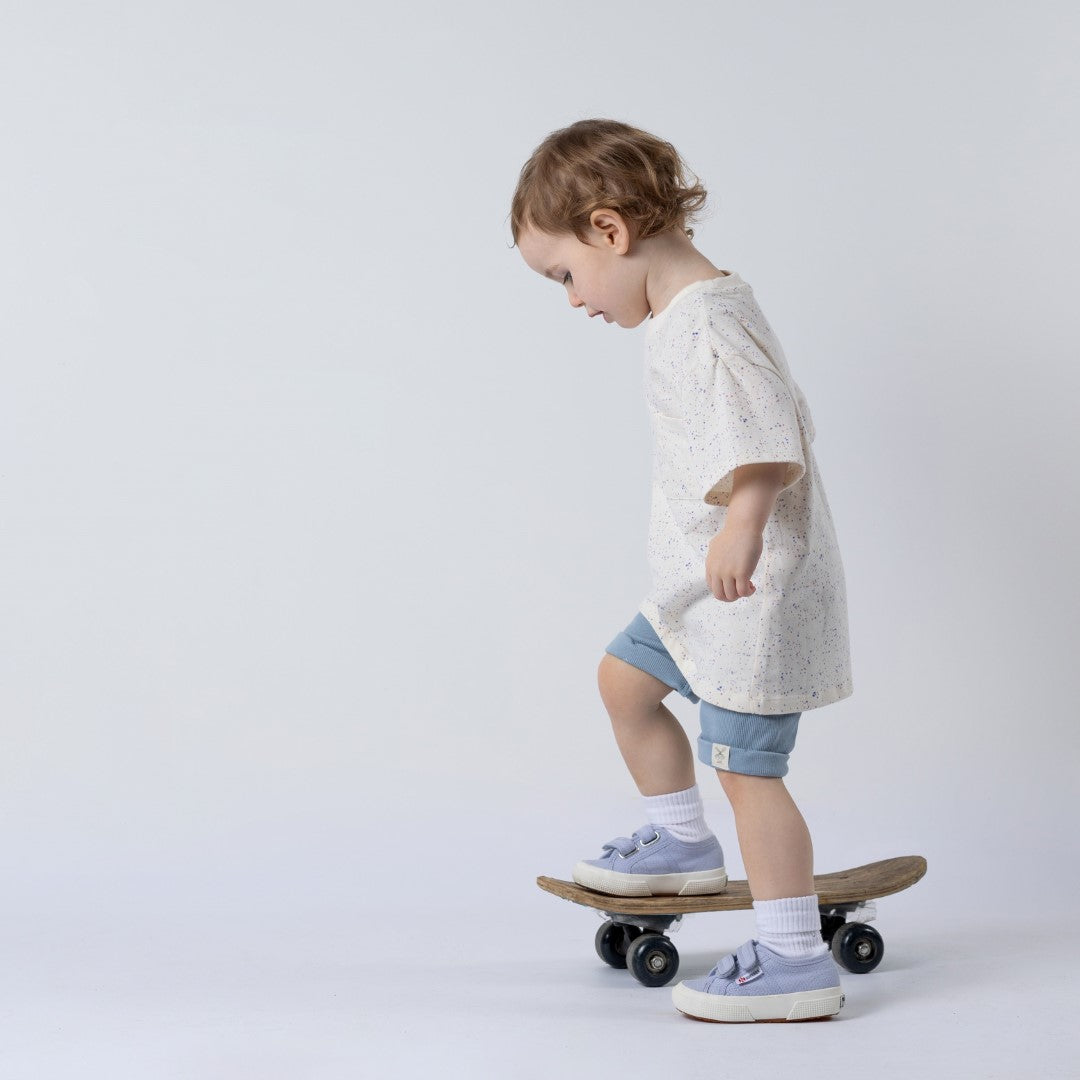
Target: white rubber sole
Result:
[803, 1005]
[695, 883]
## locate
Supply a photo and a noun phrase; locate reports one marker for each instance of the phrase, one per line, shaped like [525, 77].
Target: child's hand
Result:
[732, 557]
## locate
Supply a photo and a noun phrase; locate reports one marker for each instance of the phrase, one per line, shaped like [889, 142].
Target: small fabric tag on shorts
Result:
[720, 755]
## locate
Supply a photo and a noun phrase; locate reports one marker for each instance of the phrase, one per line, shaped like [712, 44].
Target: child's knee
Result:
[637, 665]
[626, 688]
[736, 785]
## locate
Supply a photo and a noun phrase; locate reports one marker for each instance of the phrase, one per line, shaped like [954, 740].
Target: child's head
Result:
[595, 195]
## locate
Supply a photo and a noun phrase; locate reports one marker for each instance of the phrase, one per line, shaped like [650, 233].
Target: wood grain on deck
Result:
[869, 882]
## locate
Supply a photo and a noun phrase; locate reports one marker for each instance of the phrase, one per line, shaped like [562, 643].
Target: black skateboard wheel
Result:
[612, 941]
[653, 959]
[857, 947]
[829, 925]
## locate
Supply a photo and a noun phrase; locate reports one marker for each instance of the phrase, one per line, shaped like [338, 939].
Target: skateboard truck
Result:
[854, 945]
[660, 924]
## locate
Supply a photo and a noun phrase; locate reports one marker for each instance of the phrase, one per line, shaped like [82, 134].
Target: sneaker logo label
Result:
[750, 976]
[720, 755]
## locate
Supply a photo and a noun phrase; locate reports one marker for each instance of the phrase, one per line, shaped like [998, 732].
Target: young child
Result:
[601, 208]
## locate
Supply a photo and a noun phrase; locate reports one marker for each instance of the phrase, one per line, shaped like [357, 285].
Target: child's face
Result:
[603, 276]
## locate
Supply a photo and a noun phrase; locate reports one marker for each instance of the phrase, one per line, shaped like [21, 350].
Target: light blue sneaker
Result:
[754, 983]
[653, 862]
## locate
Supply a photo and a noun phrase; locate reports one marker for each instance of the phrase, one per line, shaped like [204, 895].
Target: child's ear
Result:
[612, 227]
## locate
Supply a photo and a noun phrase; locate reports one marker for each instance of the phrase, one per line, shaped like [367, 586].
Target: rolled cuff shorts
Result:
[755, 744]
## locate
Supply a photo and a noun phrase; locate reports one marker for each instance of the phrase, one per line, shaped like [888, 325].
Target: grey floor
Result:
[287, 959]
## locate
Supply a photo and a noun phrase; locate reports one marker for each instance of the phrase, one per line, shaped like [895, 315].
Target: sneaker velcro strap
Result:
[627, 845]
[724, 967]
[622, 844]
[745, 958]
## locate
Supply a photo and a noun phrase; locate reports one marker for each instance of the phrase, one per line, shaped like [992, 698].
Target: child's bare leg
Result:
[652, 741]
[773, 837]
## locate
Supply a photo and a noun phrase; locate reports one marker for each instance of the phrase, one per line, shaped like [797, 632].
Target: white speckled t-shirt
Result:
[720, 395]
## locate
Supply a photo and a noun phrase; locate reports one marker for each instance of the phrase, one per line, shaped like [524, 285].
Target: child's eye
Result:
[567, 278]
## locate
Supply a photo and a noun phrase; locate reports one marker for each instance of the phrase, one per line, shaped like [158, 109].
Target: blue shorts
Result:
[755, 744]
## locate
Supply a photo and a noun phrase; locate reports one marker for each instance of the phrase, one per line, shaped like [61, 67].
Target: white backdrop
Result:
[319, 507]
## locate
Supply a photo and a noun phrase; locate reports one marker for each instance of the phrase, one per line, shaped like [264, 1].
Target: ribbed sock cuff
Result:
[790, 926]
[788, 915]
[681, 813]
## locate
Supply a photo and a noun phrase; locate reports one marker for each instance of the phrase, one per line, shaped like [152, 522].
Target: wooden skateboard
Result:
[633, 934]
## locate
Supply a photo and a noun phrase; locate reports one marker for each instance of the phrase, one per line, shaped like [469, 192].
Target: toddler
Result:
[747, 609]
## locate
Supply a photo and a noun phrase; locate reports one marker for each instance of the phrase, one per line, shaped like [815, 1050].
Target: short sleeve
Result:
[738, 411]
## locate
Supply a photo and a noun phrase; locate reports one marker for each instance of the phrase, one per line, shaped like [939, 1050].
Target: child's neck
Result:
[674, 263]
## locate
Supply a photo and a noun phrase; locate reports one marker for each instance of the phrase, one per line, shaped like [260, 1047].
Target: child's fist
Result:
[732, 557]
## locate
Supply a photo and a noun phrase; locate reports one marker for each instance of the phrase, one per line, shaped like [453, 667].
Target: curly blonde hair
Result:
[604, 163]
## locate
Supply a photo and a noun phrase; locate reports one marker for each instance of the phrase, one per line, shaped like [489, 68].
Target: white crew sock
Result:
[681, 813]
[791, 926]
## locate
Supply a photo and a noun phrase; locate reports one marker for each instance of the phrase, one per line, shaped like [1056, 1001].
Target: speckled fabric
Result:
[720, 395]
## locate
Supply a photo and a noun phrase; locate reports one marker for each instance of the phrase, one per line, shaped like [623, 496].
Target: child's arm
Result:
[753, 493]
[735, 550]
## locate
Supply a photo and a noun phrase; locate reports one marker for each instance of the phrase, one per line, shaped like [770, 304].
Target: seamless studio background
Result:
[319, 508]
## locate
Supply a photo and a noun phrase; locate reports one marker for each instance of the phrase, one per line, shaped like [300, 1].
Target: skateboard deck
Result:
[633, 935]
[861, 883]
